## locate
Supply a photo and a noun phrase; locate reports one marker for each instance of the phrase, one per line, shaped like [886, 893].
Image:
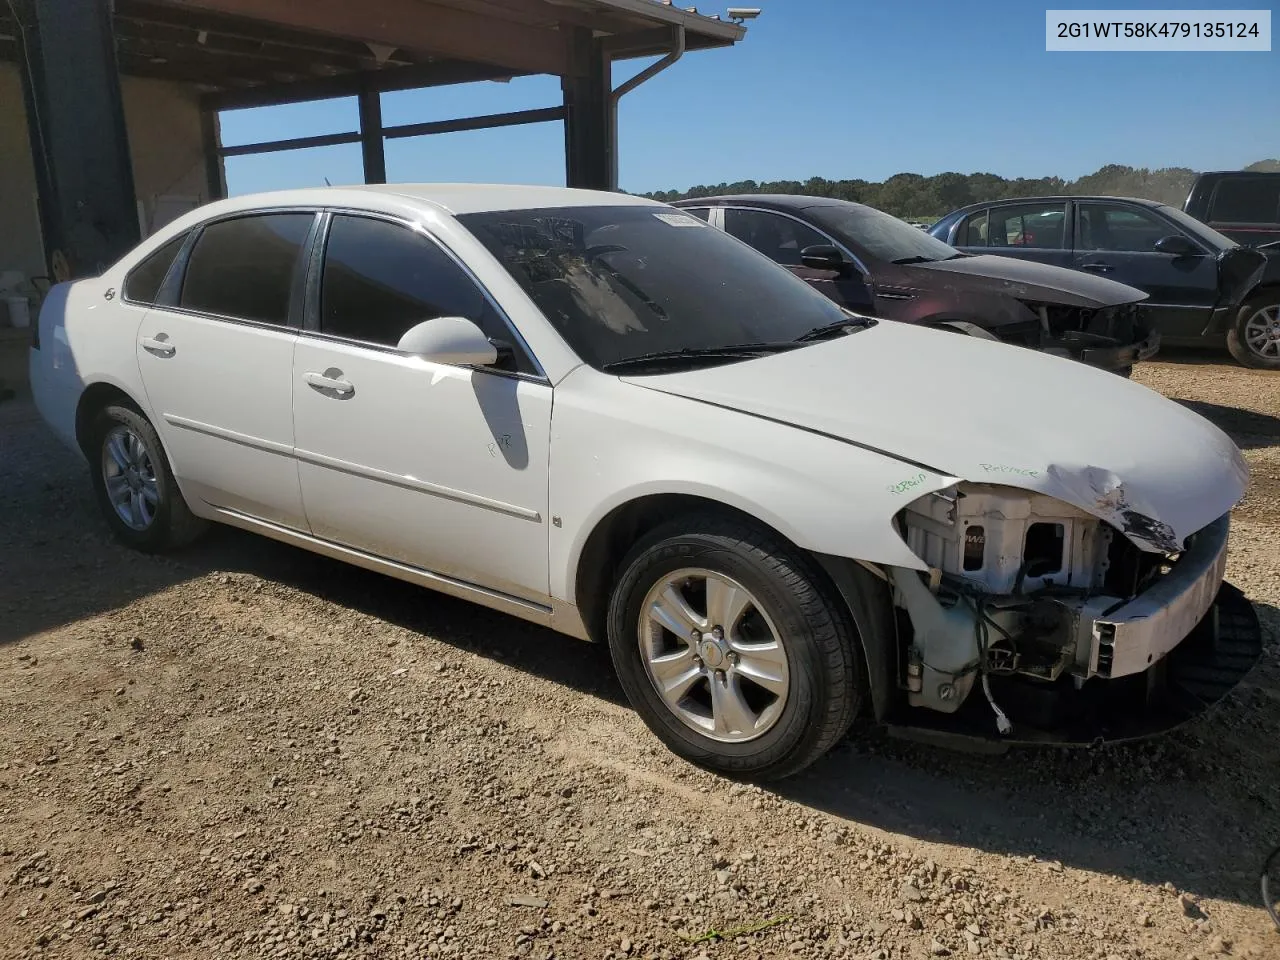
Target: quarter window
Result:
[779, 238]
[973, 230]
[143, 283]
[245, 268]
[380, 279]
[1105, 226]
[1036, 226]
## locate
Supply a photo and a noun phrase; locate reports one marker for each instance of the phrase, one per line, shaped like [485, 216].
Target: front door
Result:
[440, 467]
[1117, 241]
[217, 365]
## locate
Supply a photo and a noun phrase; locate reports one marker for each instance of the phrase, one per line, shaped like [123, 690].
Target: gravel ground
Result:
[247, 751]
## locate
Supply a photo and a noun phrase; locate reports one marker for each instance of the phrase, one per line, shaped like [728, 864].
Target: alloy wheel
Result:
[1262, 332]
[714, 656]
[130, 476]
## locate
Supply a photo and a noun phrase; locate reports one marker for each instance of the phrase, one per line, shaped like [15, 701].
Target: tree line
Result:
[916, 197]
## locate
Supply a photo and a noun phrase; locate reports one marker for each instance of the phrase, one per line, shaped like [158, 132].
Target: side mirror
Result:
[823, 256]
[454, 340]
[1177, 245]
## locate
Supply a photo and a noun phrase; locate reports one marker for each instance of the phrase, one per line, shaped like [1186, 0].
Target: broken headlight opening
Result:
[1114, 336]
[1028, 599]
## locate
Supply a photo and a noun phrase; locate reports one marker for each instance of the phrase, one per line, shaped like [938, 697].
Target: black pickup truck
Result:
[1242, 204]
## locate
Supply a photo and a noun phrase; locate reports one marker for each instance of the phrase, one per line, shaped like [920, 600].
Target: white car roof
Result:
[454, 198]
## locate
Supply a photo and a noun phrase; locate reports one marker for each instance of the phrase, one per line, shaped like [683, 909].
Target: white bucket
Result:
[19, 311]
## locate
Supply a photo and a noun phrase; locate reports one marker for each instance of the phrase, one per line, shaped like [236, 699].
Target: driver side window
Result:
[1123, 229]
[380, 279]
[779, 238]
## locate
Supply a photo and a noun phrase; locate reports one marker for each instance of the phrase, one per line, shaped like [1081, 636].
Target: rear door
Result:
[1117, 240]
[1037, 230]
[781, 238]
[216, 358]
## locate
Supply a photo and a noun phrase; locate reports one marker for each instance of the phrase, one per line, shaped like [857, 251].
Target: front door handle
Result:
[159, 345]
[331, 383]
[1097, 266]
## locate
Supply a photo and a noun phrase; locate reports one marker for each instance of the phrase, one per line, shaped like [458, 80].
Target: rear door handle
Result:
[1097, 266]
[331, 382]
[159, 345]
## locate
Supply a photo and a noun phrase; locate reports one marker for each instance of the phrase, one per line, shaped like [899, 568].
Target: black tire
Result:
[824, 660]
[173, 524]
[1236, 341]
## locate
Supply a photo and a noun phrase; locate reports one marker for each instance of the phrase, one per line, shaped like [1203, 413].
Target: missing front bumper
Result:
[1198, 673]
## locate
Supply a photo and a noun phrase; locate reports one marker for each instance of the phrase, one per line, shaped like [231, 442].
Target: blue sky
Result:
[838, 89]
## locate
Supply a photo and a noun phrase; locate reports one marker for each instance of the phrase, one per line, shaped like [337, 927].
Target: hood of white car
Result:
[973, 409]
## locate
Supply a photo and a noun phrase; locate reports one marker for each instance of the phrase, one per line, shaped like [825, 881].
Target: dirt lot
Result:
[248, 751]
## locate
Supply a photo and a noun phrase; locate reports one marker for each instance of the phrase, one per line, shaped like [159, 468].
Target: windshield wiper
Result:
[729, 351]
[838, 327]
[904, 261]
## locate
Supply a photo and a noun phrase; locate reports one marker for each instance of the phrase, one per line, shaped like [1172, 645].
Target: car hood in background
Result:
[965, 408]
[1027, 280]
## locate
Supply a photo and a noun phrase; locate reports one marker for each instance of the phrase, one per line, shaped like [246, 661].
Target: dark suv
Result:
[1241, 204]
[1205, 289]
[875, 264]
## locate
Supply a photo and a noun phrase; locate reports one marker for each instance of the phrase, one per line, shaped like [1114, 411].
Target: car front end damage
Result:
[1040, 622]
[1110, 337]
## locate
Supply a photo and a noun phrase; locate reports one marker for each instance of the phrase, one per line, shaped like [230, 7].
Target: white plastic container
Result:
[19, 311]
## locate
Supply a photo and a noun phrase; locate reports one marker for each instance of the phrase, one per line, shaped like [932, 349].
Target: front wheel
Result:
[135, 486]
[1254, 339]
[733, 649]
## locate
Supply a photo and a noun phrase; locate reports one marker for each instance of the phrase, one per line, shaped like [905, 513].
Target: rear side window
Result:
[143, 283]
[1247, 200]
[1036, 226]
[702, 213]
[244, 268]
[381, 278]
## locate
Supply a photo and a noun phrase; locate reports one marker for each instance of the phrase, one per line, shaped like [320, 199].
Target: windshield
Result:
[880, 235]
[622, 282]
[1200, 231]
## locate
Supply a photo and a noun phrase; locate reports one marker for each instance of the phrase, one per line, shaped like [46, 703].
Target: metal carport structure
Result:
[243, 53]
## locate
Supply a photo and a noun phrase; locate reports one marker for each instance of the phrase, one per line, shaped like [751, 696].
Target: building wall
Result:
[166, 148]
[20, 247]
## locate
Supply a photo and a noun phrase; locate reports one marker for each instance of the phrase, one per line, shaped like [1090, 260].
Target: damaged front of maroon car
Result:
[1056, 311]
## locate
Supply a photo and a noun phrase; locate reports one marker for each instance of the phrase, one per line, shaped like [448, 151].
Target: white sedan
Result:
[594, 412]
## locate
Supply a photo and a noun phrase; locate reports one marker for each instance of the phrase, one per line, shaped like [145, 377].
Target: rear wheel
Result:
[1254, 340]
[733, 649]
[135, 486]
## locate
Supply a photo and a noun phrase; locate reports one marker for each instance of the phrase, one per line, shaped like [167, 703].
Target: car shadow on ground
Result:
[1249, 429]
[1210, 786]
[1197, 807]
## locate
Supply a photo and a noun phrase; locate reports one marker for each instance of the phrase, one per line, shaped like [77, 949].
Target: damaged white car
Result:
[599, 414]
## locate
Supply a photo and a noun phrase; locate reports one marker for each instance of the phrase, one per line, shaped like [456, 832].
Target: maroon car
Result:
[875, 264]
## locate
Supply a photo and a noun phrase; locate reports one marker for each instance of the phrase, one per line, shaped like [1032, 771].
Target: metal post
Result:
[372, 146]
[79, 143]
[586, 125]
[214, 170]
